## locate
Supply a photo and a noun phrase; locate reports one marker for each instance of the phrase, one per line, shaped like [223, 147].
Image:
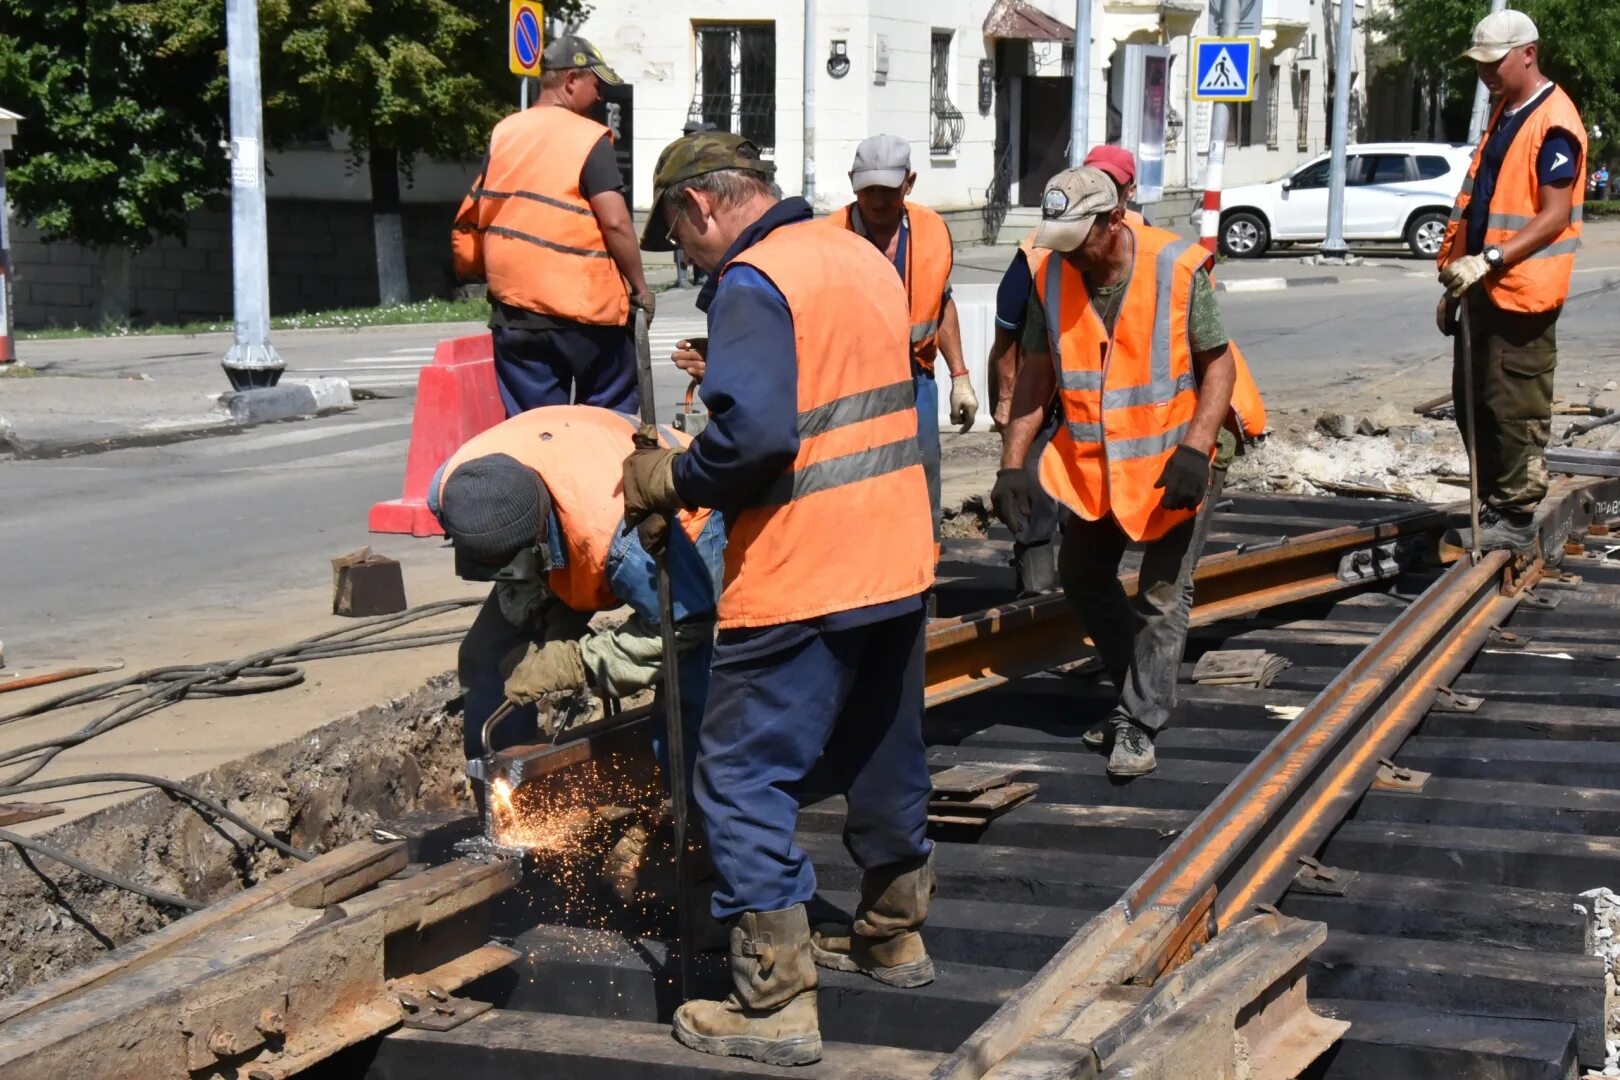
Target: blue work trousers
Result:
[928, 434]
[577, 365]
[850, 699]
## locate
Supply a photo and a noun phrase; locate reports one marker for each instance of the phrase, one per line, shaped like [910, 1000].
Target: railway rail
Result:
[1370, 867]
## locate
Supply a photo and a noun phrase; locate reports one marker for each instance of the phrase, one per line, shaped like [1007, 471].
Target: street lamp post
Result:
[1334, 247]
[1080, 85]
[252, 360]
[8, 352]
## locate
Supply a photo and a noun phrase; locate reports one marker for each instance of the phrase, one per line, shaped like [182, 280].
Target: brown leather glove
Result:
[649, 490]
[546, 669]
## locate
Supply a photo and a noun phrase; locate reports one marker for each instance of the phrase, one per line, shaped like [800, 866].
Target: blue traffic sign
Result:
[526, 38]
[1224, 68]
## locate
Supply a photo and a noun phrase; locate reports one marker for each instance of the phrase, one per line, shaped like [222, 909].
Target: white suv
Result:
[1393, 191]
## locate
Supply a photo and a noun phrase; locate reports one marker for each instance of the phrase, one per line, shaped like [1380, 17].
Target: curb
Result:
[1272, 284]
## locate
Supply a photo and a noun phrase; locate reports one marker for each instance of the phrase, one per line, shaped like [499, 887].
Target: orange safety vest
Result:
[1127, 400]
[578, 452]
[527, 229]
[929, 258]
[848, 525]
[1541, 281]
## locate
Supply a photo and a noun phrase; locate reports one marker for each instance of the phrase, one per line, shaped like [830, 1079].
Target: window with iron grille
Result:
[1274, 78]
[736, 80]
[1304, 141]
[946, 118]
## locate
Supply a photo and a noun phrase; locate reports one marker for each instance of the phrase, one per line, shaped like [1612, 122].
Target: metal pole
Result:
[1333, 247]
[8, 352]
[810, 102]
[252, 361]
[1482, 97]
[1080, 86]
[1209, 225]
[523, 92]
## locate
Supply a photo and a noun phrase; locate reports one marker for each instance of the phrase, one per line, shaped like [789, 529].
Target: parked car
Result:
[1393, 191]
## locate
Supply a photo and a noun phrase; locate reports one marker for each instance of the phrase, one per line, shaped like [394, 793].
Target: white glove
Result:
[1464, 274]
[964, 402]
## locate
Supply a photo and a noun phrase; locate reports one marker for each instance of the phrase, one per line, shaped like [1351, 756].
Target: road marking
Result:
[429, 349]
[397, 361]
[342, 459]
[1596, 269]
[254, 443]
[1254, 284]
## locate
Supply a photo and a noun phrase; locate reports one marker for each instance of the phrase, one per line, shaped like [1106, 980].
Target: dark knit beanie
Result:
[493, 507]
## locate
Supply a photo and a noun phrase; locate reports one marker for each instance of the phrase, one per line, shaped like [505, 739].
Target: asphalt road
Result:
[89, 546]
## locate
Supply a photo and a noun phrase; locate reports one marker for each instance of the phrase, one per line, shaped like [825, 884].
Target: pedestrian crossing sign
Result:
[1224, 68]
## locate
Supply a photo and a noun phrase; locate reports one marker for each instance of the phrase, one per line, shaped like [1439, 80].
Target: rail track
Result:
[1369, 868]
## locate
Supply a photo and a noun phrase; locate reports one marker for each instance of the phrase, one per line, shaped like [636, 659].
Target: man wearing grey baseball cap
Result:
[1122, 331]
[1506, 263]
[918, 242]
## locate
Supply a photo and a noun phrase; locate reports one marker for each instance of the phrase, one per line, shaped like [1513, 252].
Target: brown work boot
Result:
[770, 1015]
[884, 942]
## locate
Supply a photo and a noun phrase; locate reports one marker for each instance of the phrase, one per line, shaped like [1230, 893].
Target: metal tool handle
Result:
[675, 735]
[1466, 343]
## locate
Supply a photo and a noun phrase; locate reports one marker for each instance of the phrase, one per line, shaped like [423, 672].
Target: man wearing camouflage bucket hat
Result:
[811, 453]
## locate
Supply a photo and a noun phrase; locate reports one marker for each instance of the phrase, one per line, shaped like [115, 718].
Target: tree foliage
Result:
[1580, 50]
[115, 146]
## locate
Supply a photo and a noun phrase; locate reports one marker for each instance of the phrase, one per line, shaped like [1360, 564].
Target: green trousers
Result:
[1514, 355]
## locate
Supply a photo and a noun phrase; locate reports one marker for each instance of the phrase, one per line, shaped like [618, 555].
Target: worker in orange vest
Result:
[1147, 420]
[918, 243]
[811, 453]
[546, 224]
[534, 506]
[1510, 248]
[1035, 550]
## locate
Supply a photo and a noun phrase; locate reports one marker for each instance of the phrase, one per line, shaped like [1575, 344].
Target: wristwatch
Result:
[1493, 255]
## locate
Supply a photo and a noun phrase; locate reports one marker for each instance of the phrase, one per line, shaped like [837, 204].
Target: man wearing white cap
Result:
[1510, 249]
[918, 242]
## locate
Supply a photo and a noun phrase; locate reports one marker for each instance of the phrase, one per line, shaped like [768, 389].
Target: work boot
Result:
[884, 941]
[1099, 736]
[1133, 751]
[1498, 529]
[1035, 568]
[770, 1015]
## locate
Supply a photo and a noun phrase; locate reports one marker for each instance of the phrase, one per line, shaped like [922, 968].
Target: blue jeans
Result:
[928, 435]
[850, 699]
[579, 365]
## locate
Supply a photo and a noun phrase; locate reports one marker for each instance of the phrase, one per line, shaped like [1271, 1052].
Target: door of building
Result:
[1044, 145]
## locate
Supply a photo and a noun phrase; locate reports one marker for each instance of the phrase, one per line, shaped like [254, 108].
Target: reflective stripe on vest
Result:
[578, 452]
[542, 248]
[848, 525]
[1540, 281]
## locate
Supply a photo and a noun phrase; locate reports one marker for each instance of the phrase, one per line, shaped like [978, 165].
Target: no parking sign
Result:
[524, 36]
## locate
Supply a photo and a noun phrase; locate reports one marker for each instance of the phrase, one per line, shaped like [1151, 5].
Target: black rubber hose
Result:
[157, 896]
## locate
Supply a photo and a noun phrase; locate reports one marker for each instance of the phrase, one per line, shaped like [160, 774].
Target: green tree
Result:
[1580, 50]
[115, 148]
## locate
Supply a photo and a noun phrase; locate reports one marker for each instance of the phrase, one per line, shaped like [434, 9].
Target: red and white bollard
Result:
[7, 353]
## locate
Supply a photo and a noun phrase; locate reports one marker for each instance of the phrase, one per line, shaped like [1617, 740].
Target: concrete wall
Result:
[321, 257]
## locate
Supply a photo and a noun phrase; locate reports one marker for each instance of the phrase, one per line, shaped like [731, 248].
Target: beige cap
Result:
[1499, 33]
[881, 161]
[1073, 199]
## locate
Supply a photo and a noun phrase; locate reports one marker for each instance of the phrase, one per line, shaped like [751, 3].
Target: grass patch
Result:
[424, 311]
[19, 371]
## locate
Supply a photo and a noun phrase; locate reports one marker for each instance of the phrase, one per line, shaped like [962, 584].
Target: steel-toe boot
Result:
[884, 941]
[770, 1015]
[1498, 529]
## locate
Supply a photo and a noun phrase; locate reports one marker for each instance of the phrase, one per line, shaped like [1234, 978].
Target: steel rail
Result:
[1242, 852]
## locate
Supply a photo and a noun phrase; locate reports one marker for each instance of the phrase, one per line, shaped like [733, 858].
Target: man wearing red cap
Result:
[1035, 548]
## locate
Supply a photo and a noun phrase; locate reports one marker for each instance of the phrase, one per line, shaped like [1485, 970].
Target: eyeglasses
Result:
[672, 215]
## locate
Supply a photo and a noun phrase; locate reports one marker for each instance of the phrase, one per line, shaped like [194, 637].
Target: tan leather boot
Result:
[770, 1015]
[884, 942]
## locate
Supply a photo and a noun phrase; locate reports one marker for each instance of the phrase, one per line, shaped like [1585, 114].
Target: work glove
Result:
[649, 490]
[964, 402]
[1012, 498]
[546, 669]
[1463, 274]
[646, 301]
[1185, 478]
